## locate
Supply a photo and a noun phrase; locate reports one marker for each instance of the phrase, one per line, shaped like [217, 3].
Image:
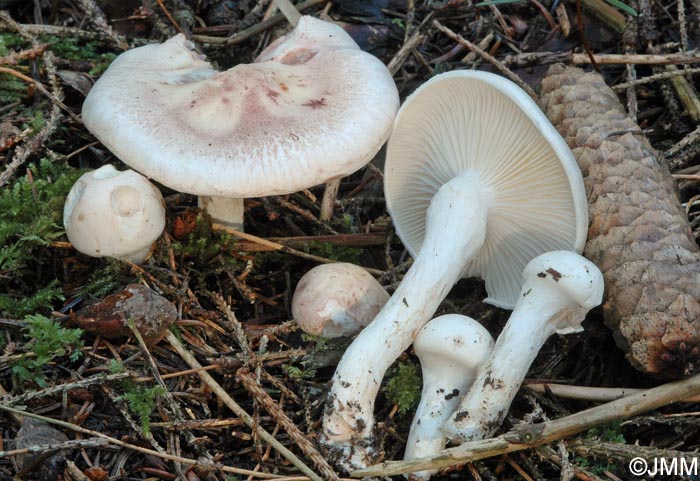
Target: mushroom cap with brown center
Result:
[312, 107]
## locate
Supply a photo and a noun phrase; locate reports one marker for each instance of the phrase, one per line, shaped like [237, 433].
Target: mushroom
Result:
[451, 348]
[477, 182]
[333, 300]
[114, 214]
[558, 290]
[312, 107]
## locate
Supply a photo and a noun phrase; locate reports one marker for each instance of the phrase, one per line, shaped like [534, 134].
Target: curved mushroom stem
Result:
[559, 288]
[223, 210]
[455, 231]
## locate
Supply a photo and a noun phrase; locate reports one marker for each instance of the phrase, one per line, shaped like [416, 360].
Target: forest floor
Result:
[123, 410]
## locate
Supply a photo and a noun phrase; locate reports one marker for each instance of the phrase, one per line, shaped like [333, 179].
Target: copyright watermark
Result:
[664, 467]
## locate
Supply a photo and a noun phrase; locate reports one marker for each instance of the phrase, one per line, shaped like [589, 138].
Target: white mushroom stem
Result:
[289, 11]
[224, 210]
[455, 231]
[559, 288]
[451, 348]
[328, 202]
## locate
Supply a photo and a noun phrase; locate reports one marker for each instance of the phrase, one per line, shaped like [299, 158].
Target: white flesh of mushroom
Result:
[491, 185]
[451, 348]
[559, 288]
[114, 214]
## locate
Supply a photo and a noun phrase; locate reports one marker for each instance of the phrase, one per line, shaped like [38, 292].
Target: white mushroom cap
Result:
[312, 107]
[114, 214]
[476, 121]
[333, 300]
[451, 349]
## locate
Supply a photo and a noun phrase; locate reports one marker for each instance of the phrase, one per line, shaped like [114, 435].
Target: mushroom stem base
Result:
[223, 210]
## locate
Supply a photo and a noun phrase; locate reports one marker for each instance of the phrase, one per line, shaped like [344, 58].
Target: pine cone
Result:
[639, 235]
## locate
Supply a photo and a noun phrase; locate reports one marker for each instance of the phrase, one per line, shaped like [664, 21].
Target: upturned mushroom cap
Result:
[333, 300]
[477, 121]
[312, 107]
[114, 214]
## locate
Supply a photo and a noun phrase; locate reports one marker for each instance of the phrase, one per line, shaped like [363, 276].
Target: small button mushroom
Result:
[333, 300]
[312, 107]
[114, 214]
[451, 348]
[477, 182]
[558, 290]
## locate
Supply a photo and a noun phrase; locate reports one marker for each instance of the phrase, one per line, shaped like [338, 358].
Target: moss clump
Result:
[46, 340]
[78, 50]
[12, 89]
[336, 253]
[142, 402]
[404, 387]
[30, 218]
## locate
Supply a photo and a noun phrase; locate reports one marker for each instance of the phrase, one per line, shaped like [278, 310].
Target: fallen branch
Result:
[544, 58]
[600, 394]
[255, 29]
[274, 246]
[531, 435]
[256, 390]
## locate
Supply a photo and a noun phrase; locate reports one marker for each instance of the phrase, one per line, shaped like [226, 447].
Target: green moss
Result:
[30, 218]
[12, 89]
[404, 386]
[11, 42]
[47, 340]
[79, 50]
[596, 468]
[611, 433]
[107, 278]
[336, 253]
[142, 402]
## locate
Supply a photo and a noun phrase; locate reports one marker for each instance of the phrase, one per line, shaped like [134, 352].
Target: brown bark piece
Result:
[638, 234]
[151, 313]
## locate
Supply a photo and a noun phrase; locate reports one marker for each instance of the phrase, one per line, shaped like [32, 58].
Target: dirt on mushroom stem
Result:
[639, 235]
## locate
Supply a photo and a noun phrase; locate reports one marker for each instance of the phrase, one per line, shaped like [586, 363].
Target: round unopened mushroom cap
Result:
[476, 121]
[312, 107]
[114, 214]
[453, 342]
[333, 300]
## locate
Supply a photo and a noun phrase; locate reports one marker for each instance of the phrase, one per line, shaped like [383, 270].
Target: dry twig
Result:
[528, 436]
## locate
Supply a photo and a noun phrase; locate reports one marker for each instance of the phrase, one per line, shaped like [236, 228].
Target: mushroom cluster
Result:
[478, 183]
[312, 107]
